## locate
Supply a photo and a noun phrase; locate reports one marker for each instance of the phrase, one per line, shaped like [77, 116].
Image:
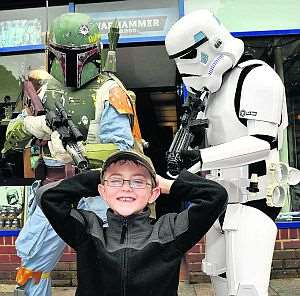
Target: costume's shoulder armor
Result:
[117, 96]
[121, 102]
[262, 94]
[124, 101]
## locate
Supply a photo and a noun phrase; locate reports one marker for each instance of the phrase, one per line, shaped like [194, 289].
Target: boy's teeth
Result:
[126, 199]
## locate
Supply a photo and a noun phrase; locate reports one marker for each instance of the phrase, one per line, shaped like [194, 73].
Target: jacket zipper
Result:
[123, 239]
[124, 230]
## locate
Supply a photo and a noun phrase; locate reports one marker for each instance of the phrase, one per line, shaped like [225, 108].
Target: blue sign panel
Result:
[138, 24]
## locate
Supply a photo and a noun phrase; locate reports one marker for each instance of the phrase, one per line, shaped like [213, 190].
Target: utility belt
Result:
[24, 274]
[273, 186]
[238, 189]
[97, 153]
[50, 172]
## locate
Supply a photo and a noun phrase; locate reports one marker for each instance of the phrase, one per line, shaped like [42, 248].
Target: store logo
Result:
[135, 26]
[244, 113]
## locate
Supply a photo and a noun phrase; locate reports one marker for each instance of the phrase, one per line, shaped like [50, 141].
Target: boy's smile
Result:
[127, 188]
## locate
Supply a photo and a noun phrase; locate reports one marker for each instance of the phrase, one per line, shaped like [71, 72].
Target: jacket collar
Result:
[114, 218]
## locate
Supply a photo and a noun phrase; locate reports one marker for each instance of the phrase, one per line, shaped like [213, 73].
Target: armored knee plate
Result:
[250, 238]
[243, 249]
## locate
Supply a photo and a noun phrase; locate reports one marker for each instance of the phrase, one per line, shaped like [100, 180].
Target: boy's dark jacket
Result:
[131, 256]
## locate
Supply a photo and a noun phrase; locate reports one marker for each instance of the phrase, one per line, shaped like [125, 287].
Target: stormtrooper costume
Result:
[246, 112]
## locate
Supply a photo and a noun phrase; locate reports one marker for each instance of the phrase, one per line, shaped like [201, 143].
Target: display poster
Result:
[11, 207]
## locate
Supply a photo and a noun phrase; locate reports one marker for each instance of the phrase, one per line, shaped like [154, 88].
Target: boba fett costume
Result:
[103, 111]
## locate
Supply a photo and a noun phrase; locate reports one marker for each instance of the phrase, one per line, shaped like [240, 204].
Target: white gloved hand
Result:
[36, 125]
[58, 151]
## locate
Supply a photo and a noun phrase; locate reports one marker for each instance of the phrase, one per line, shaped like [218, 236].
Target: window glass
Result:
[21, 27]
[283, 54]
[13, 68]
[254, 15]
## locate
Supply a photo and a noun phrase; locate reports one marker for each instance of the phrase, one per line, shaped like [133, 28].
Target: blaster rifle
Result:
[191, 132]
[60, 121]
[31, 99]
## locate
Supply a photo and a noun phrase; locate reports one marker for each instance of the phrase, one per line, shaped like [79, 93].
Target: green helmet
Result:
[74, 44]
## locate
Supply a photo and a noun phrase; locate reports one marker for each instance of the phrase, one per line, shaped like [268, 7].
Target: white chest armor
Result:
[224, 124]
[232, 144]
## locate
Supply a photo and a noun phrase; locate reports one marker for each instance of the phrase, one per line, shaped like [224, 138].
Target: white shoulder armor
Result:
[262, 94]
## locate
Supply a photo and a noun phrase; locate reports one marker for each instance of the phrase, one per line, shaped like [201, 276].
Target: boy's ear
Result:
[155, 194]
[101, 190]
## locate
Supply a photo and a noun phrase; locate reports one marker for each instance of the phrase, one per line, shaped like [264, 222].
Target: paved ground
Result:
[278, 287]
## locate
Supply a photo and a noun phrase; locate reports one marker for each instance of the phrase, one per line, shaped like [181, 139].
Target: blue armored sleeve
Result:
[115, 128]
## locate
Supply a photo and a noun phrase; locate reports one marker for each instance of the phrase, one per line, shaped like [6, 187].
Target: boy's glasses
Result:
[133, 183]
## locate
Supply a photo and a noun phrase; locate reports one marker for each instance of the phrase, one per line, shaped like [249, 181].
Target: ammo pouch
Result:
[98, 153]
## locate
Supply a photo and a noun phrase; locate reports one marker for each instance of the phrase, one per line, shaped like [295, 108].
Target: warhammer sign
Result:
[135, 25]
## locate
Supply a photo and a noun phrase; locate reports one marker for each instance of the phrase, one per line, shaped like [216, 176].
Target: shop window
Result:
[283, 54]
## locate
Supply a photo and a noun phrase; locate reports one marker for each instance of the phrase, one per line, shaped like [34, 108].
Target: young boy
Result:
[131, 256]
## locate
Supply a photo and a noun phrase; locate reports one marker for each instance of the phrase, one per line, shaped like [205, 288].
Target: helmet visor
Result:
[72, 61]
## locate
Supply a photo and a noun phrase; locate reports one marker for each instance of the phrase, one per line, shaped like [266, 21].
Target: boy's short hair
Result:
[134, 156]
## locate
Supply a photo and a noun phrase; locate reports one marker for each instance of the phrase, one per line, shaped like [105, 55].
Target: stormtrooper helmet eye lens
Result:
[190, 55]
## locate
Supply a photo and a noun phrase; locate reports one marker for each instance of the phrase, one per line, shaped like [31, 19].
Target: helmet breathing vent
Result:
[214, 64]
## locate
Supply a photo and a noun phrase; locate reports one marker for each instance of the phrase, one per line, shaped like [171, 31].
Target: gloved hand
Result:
[184, 160]
[190, 157]
[58, 151]
[36, 125]
[16, 133]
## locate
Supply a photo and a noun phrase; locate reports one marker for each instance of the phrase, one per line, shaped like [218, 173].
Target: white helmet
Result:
[203, 50]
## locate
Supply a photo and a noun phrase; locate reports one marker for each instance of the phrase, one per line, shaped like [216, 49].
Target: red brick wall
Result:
[9, 261]
[286, 261]
[64, 274]
[193, 260]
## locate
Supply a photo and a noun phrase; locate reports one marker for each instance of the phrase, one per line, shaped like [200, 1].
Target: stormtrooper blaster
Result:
[58, 120]
[191, 134]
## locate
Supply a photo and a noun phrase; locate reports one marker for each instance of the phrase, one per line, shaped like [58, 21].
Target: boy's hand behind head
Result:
[164, 184]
